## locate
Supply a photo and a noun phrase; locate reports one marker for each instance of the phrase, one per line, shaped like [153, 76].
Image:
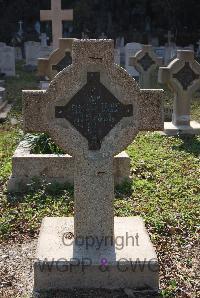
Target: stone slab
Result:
[60, 264]
[53, 168]
[172, 130]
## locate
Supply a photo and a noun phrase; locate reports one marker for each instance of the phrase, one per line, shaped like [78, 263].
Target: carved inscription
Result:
[94, 111]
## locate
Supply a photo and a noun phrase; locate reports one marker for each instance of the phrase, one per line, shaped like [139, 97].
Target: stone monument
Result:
[145, 62]
[7, 60]
[93, 109]
[4, 106]
[182, 76]
[130, 50]
[59, 59]
[56, 15]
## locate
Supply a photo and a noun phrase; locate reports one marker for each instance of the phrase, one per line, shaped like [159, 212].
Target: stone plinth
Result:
[60, 264]
[54, 168]
[172, 130]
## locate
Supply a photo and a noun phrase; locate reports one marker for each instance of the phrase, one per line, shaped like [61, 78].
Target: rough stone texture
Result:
[39, 106]
[56, 15]
[53, 168]
[117, 56]
[182, 76]
[45, 65]
[76, 266]
[145, 62]
[115, 103]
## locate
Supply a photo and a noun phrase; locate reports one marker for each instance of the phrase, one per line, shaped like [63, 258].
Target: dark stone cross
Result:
[94, 111]
[186, 76]
[64, 62]
[146, 62]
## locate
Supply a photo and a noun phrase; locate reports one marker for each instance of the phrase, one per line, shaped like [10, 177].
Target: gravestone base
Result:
[61, 265]
[53, 168]
[171, 130]
[4, 110]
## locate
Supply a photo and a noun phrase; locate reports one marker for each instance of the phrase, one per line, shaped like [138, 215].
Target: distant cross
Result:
[20, 32]
[56, 15]
[169, 38]
[44, 38]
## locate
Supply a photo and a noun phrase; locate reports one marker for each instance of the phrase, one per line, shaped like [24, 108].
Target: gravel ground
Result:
[17, 277]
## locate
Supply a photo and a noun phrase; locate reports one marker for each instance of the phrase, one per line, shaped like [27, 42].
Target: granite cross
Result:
[93, 110]
[56, 15]
[145, 62]
[93, 124]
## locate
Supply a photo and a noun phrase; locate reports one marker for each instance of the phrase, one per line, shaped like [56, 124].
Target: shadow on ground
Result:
[190, 144]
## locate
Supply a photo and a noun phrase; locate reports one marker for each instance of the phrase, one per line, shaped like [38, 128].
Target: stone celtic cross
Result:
[59, 59]
[182, 76]
[56, 15]
[145, 62]
[93, 109]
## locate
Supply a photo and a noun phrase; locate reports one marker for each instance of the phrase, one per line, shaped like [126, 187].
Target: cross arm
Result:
[45, 15]
[164, 75]
[132, 61]
[150, 113]
[67, 15]
[33, 105]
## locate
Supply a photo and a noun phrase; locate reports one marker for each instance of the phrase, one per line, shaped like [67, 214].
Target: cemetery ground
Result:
[164, 190]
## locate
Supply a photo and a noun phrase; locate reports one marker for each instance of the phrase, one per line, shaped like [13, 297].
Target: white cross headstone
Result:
[56, 15]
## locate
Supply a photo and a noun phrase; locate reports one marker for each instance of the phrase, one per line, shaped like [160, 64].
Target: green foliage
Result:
[42, 144]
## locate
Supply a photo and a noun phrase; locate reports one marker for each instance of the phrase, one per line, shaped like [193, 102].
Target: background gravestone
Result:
[93, 110]
[59, 59]
[7, 60]
[182, 76]
[130, 50]
[34, 50]
[57, 16]
[145, 62]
